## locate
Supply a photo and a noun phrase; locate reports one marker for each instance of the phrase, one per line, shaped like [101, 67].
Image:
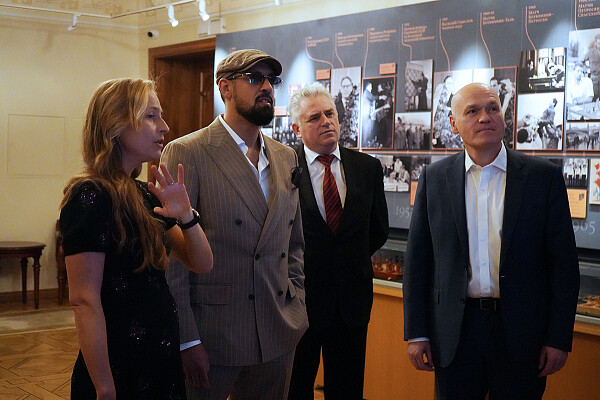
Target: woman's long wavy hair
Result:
[116, 105]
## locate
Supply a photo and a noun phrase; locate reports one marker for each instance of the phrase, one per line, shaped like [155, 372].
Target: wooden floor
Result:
[37, 366]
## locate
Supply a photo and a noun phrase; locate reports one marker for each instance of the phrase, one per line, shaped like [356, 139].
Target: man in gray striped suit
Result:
[239, 324]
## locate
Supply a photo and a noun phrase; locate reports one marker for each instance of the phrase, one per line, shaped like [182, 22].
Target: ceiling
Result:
[126, 13]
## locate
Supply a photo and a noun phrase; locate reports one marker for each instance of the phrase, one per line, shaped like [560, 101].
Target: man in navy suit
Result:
[339, 245]
[491, 277]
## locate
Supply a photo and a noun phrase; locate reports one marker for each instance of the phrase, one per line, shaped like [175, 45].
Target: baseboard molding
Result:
[16, 296]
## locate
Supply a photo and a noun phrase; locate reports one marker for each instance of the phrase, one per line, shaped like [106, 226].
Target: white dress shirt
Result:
[484, 202]
[316, 172]
[262, 173]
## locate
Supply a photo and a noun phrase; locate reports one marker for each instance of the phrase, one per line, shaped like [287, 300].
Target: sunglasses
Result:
[257, 79]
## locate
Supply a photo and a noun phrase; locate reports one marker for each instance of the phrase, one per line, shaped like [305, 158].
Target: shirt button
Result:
[238, 221]
[257, 256]
[251, 297]
[282, 255]
[292, 222]
[280, 293]
[462, 301]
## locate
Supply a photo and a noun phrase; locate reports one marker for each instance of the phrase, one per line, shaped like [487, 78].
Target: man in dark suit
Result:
[344, 218]
[491, 277]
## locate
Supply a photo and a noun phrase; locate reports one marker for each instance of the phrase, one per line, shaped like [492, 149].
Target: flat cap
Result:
[242, 61]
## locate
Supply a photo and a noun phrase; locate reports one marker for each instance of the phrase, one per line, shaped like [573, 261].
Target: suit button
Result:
[282, 255]
[238, 222]
[251, 297]
[292, 222]
[257, 256]
[463, 301]
[280, 293]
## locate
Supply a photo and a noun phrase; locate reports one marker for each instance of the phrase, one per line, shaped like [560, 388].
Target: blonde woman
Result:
[117, 232]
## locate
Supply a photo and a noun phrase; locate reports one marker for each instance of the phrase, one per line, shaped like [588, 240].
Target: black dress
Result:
[141, 316]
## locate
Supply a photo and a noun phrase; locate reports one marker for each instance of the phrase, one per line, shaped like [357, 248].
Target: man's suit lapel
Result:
[456, 188]
[351, 173]
[277, 184]
[307, 193]
[227, 156]
[516, 179]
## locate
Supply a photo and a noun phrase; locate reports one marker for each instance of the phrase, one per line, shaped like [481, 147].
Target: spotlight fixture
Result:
[171, 14]
[277, 2]
[202, 10]
[73, 26]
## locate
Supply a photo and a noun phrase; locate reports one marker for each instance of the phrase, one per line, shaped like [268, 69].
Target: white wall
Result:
[47, 76]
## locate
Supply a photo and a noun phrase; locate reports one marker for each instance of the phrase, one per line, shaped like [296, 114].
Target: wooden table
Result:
[24, 250]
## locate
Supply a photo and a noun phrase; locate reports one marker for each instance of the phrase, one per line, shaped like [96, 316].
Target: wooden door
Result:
[184, 74]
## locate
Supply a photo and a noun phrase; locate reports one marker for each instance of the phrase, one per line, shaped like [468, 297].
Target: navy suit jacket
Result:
[337, 267]
[539, 271]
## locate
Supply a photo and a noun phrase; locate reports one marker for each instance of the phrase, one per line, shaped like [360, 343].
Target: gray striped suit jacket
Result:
[250, 308]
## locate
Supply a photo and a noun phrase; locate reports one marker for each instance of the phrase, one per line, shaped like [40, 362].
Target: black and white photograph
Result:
[377, 113]
[396, 172]
[446, 84]
[417, 165]
[583, 136]
[412, 131]
[345, 89]
[575, 171]
[502, 80]
[540, 121]
[583, 75]
[418, 85]
[283, 133]
[542, 70]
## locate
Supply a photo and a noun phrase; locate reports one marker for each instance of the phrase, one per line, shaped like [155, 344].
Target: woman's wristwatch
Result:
[193, 222]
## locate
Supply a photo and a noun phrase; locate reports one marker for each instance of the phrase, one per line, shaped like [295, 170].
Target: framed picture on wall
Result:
[418, 86]
[377, 113]
[345, 89]
[540, 121]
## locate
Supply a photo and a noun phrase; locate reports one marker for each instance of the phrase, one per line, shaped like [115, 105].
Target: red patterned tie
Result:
[331, 197]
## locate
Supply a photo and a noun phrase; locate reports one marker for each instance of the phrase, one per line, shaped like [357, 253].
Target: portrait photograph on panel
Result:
[542, 70]
[396, 175]
[418, 85]
[503, 81]
[446, 84]
[575, 171]
[283, 133]
[594, 185]
[417, 165]
[583, 75]
[582, 136]
[345, 89]
[412, 131]
[377, 113]
[540, 121]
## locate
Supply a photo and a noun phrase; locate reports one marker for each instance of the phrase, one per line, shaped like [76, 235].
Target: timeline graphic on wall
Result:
[393, 72]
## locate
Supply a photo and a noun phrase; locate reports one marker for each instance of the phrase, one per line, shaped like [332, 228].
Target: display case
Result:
[388, 268]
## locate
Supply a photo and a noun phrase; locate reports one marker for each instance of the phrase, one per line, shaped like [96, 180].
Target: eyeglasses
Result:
[257, 79]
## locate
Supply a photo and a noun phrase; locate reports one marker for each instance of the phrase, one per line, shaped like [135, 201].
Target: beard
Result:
[259, 114]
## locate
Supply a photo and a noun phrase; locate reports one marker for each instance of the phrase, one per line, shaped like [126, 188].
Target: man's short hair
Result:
[309, 91]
